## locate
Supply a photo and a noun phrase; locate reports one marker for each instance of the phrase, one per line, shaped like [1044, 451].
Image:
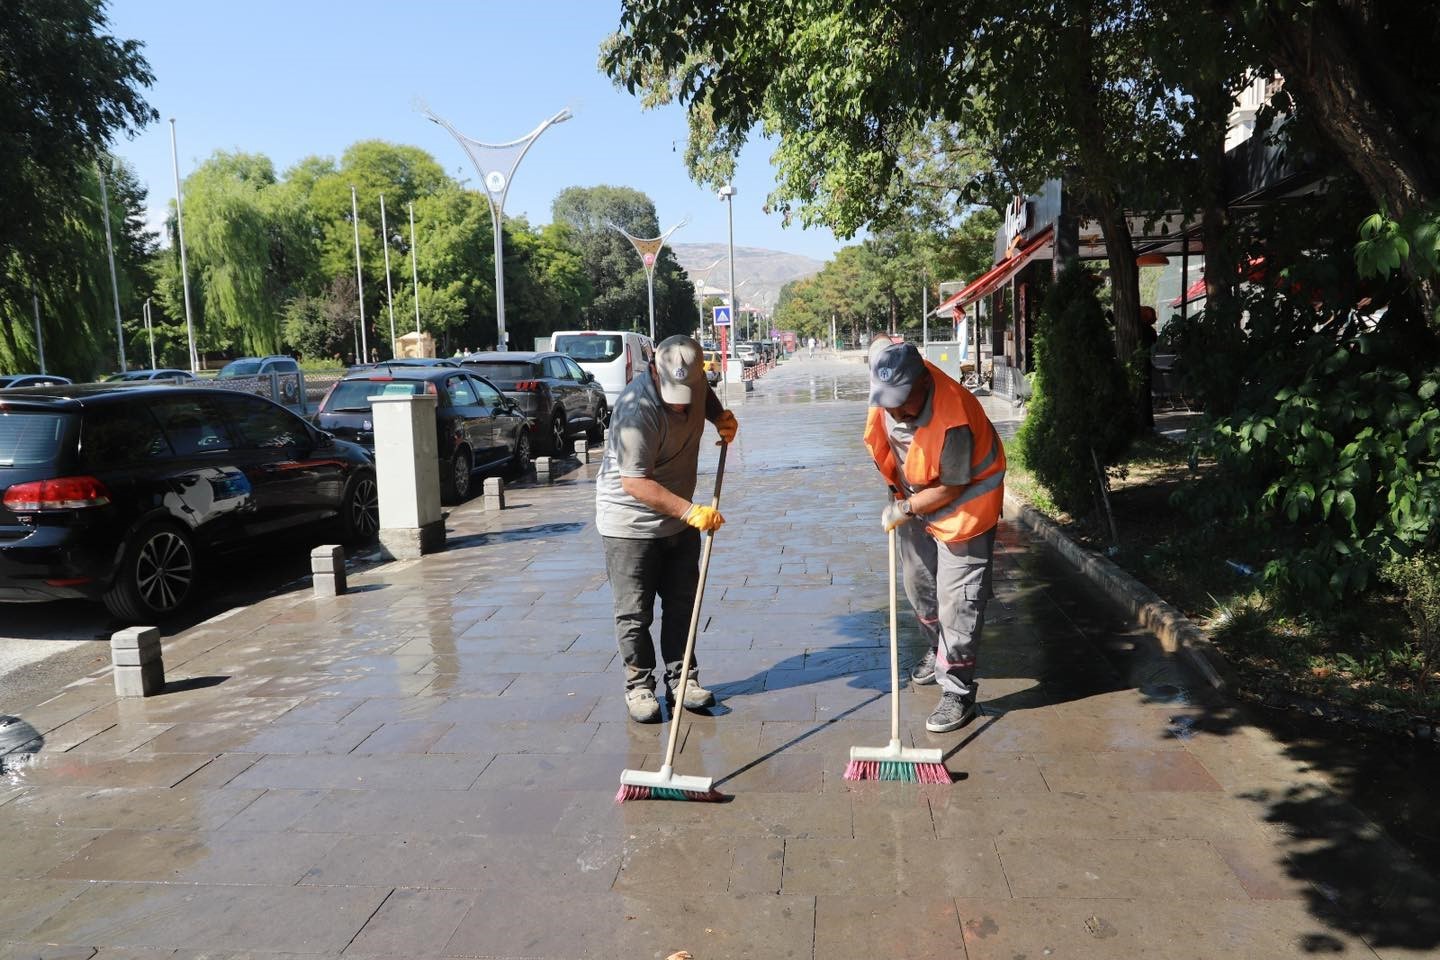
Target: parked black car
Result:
[119, 492]
[563, 400]
[477, 427]
[14, 381]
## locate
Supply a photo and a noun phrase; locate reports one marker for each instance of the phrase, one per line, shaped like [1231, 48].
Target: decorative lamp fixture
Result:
[1151, 260]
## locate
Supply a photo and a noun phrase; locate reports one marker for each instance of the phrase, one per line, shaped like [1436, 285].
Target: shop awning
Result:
[992, 279]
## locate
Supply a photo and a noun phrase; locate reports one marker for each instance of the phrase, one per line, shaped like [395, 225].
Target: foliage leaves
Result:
[1078, 387]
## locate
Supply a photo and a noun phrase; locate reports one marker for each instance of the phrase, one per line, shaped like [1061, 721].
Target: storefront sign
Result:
[1017, 221]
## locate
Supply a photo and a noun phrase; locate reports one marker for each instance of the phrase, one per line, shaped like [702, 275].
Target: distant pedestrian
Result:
[648, 522]
[812, 348]
[374, 354]
[945, 465]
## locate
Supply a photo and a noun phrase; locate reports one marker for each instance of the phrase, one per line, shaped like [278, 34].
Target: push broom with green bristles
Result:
[894, 762]
[666, 784]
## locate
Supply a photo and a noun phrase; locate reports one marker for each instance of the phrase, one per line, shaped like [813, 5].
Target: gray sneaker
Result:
[643, 706]
[923, 673]
[951, 713]
[696, 696]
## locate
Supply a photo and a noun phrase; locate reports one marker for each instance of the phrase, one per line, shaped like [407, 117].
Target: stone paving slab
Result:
[426, 767]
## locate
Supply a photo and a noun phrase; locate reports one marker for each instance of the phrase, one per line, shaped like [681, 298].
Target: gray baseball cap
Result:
[681, 365]
[894, 370]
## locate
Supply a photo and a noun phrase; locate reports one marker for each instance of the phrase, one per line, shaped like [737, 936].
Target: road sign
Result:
[722, 316]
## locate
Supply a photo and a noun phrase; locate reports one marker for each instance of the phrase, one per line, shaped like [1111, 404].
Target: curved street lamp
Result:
[649, 249]
[497, 163]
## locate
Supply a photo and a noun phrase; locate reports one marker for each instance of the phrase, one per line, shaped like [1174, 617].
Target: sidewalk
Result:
[426, 767]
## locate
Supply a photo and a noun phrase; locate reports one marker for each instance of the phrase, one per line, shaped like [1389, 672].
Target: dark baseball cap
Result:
[894, 370]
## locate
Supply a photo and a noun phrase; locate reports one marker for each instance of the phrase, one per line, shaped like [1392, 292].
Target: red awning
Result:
[1255, 271]
[992, 279]
[1196, 292]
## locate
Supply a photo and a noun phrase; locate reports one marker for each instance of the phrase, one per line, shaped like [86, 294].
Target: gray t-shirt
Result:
[954, 455]
[647, 439]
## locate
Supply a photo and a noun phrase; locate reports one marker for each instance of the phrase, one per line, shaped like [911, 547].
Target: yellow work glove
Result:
[894, 514]
[727, 426]
[703, 518]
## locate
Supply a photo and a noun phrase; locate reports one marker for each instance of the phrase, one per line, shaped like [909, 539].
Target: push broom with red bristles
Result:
[894, 762]
[666, 784]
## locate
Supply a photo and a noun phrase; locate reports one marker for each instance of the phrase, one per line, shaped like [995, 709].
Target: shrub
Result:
[1080, 402]
[1418, 578]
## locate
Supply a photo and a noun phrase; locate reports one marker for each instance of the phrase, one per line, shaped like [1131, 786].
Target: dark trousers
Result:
[641, 570]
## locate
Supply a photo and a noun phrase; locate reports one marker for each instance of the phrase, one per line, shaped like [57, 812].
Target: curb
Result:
[1175, 631]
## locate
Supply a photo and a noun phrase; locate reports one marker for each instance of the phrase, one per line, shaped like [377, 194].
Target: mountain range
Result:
[766, 270]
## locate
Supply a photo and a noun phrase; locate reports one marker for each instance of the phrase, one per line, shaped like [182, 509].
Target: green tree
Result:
[1078, 385]
[252, 245]
[67, 88]
[617, 277]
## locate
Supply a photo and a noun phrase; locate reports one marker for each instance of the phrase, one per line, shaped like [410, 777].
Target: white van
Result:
[613, 356]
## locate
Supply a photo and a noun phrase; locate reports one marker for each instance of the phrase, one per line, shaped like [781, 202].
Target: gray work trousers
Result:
[948, 585]
[640, 571]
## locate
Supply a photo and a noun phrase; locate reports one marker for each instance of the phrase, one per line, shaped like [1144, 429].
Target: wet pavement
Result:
[426, 767]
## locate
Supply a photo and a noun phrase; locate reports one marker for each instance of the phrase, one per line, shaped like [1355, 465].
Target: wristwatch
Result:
[906, 509]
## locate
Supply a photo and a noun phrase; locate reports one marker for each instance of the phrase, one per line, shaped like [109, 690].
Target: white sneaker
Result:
[643, 706]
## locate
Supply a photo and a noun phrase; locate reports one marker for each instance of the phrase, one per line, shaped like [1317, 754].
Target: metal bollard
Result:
[139, 668]
[493, 493]
[327, 566]
[544, 469]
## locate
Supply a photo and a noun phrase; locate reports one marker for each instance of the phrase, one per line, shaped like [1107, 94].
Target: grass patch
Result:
[1364, 656]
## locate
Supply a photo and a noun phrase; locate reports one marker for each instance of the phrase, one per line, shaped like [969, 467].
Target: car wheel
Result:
[596, 433]
[559, 432]
[457, 480]
[360, 509]
[520, 460]
[156, 576]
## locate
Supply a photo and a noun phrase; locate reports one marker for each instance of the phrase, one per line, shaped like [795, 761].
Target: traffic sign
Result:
[722, 316]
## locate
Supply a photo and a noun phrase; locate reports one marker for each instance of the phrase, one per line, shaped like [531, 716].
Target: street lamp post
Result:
[110, 252]
[389, 294]
[727, 193]
[497, 163]
[414, 270]
[359, 279]
[649, 249]
[180, 238]
[150, 330]
[704, 275]
[39, 334]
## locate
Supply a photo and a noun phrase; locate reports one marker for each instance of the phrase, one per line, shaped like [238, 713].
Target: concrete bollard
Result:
[493, 493]
[582, 450]
[327, 567]
[139, 668]
[544, 471]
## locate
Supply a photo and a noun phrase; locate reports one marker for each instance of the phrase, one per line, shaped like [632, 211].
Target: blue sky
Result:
[309, 77]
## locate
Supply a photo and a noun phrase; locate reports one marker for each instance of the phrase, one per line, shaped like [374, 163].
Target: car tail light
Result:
[65, 493]
[380, 379]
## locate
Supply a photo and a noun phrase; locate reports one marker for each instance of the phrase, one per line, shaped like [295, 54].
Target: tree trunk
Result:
[1125, 290]
[1322, 69]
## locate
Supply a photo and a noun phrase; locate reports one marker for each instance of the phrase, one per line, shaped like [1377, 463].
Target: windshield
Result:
[503, 371]
[240, 368]
[353, 396]
[591, 348]
[29, 438]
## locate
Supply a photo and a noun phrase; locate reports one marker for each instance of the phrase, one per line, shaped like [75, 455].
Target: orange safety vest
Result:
[977, 509]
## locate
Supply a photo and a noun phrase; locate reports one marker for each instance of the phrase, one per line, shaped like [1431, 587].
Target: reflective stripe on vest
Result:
[977, 509]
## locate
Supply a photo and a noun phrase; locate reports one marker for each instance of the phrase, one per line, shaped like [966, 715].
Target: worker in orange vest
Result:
[945, 465]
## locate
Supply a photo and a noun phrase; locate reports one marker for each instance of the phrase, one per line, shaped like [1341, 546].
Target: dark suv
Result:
[563, 400]
[476, 427]
[118, 492]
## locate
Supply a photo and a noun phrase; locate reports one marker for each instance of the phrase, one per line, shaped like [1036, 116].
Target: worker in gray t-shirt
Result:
[646, 516]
